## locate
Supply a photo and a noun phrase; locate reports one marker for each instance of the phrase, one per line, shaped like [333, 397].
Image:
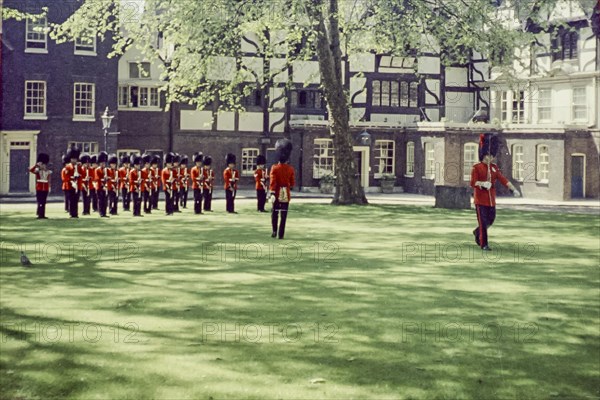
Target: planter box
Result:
[326, 187]
[453, 197]
[387, 186]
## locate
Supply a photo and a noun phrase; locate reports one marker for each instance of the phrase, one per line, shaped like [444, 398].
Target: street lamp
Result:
[106, 120]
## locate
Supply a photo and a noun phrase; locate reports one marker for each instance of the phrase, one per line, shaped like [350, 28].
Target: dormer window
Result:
[564, 44]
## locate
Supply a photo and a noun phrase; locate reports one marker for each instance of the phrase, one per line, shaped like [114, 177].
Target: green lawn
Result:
[356, 302]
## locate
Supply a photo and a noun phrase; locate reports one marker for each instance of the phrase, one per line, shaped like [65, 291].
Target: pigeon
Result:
[24, 260]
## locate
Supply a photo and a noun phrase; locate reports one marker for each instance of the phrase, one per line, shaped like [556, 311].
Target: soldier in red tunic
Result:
[197, 178]
[112, 184]
[92, 173]
[176, 181]
[42, 183]
[260, 178]
[282, 179]
[124, 182]
[155, 177]
[209, 182]
[230, 177]
[147, 183]
[102, 183]
[74, 173]
[86, 182]
[168, 182]
[136, 185]
[184, 176]
[66, 185]
[484, 178]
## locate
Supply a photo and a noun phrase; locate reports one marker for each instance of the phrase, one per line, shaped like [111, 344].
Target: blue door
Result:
[577, 176]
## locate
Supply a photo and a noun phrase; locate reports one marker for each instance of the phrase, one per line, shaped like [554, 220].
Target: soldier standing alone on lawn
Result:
[230, 178]
[484, 176]
[42, 183]
[282, 180]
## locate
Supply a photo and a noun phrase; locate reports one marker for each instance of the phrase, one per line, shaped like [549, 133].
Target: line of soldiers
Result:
[99, 182]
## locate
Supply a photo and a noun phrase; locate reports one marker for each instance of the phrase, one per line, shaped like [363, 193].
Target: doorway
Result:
[577, 176]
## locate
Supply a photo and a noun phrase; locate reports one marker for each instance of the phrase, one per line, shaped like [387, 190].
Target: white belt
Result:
[42, 180]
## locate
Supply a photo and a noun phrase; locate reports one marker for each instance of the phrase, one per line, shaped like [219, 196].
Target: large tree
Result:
[205, 63]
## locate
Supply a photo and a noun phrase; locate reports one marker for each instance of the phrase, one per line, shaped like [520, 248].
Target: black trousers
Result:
[73, 202]
[113, 201]
[279, 208]
[102, 202]
[41, 197]
[261, 198]
[66, 192]
[86, 200]
[175, 201]
[485, 218]
[230, 200]
[94, 199]
[183, 196]
[147, 202]
[126, 199]
[197, 201]
[137, 203]
[207, 199]
[168, 203]
[155, 199]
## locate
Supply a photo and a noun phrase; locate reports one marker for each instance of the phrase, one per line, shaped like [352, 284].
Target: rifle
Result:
[105, 180]
[87, 181]
[75, 177]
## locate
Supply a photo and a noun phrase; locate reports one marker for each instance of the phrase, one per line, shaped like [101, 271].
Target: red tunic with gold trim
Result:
[42, 178]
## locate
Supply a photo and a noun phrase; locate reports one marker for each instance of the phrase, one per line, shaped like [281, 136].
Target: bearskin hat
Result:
[84, 158]
[146, 158]
[230, 158]
[113, 159]
[176, 158]
[184, 159]
[136, 159]
[94, 159]
[261, 160]
[198, 157]
[488, 144]
[73, 153]
[169, 158]
[102, 157]
[124, 159]
[283, 148]
[155, 159]
[43, 158]
[207, 160]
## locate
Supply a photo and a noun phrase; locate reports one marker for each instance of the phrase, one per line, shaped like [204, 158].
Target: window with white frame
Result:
[410, 158]
[323, 162]
[579, 104]
[139, 70]
[470, 158]
[384, 157]
[544, 105]
[85, 147]
[429, 151]
[35, 99]
[138, 96]
[249, 161]
[512, 106]
[518, 107]
[394, 93]
[36, 37]
[518, 165]
[84, 100]
[543, 163]
[86, 44]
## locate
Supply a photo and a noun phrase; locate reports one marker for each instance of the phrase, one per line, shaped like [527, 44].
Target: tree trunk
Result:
[348, 188]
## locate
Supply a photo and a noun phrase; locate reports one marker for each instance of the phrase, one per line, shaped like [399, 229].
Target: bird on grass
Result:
[25, 261]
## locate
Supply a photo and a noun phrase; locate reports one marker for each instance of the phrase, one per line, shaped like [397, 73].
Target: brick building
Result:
[52, 94]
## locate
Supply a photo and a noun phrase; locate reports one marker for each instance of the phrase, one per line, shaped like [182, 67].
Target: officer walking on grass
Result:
[484, 178]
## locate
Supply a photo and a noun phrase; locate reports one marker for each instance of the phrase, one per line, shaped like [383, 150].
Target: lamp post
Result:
[106, 120]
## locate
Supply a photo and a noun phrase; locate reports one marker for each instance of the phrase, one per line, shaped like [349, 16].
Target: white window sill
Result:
[84, 119]
[380, 176]
[85, 53]
[430, 178]
[154, 109]
[35, 117]
[542, 182]
[34, 50]
[409, 175]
